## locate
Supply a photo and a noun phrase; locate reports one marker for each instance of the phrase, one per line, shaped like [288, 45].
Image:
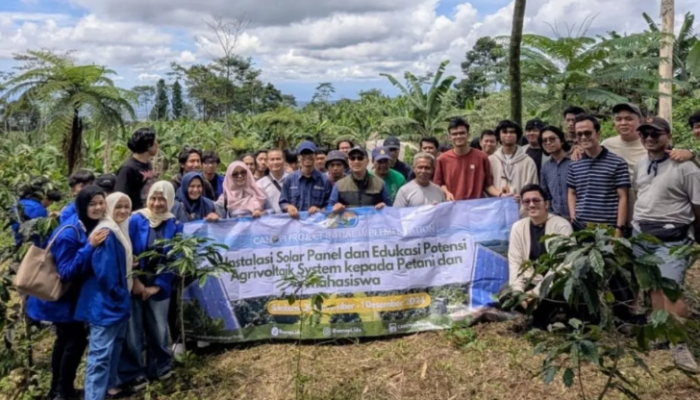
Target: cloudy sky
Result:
[297, 43]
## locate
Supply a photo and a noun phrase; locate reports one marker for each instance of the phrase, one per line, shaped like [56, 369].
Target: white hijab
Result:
[121, 231]
[168, 191]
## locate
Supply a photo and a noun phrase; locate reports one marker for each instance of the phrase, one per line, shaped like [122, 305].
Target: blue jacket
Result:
[219, 189]
[138, 232]
[104, 297]
[31, 209]
[68, 211]
[72, 253]
[303, 192]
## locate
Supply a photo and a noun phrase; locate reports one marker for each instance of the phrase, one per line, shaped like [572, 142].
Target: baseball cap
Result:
[337, 155]
[633, 108]
[106, 181]
[392, 142]
[358, 149]
[657, 123]
[306, 146]
[380, 153]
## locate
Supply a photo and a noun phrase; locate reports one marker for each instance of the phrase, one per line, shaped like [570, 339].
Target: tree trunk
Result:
[516, 38]
[666, 64]
[73, 143]
[107, 153]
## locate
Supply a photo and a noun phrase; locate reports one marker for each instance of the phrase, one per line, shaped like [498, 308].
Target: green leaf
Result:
[693, 61]
[576, 323]
[569, 288]
[568, 377]
[659, 317]
[550, 374]
[596, 261]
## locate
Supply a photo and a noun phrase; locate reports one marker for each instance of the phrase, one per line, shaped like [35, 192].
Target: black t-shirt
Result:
[537, 248]
[131, 179]
[536, 155]
[402, 168]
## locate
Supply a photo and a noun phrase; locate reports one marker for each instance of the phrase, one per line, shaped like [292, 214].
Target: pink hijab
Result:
[241, 200]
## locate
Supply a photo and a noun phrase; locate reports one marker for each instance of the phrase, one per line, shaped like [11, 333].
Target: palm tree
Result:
[69, 93]
[585, 70]
[426, 112]
[516, 36]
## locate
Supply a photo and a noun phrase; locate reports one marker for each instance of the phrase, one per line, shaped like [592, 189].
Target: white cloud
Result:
[308, 40]
[149, 77]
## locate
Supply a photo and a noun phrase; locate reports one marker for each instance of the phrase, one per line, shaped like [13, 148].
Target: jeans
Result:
[68, 349]
[103, 359]
[149, 318]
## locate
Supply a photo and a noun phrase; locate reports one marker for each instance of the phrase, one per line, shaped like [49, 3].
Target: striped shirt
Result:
[596, 181]
[553, 180]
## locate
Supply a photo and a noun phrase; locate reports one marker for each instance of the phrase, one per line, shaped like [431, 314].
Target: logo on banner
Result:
[274, 331]
[348, 219]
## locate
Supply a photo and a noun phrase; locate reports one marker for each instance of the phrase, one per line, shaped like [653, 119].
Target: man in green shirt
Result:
[392, 179]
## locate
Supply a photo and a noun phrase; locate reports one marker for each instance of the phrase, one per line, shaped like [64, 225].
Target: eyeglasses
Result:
[534, 202]
[236, 175]
[651, 134]
[587, 134]
[356, 158]
[458, 133]
[549, 140]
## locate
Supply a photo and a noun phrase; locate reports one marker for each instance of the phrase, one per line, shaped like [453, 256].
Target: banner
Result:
[393, 271]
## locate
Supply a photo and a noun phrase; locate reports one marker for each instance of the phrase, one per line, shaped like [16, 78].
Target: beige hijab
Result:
[168, 191]
[121, 231]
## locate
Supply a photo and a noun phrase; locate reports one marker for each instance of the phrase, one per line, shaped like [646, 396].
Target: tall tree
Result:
[516, 87]
[145, 95]
[160, 110]
[684, 42]
[323, 93]
[482, 64]
[224, 36]
[666, 65]
[177, 102]
[68, 93]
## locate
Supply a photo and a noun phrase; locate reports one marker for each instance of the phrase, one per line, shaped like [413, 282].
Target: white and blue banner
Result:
[385, 272]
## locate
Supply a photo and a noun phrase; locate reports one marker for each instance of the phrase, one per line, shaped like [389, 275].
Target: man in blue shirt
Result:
[306, 189]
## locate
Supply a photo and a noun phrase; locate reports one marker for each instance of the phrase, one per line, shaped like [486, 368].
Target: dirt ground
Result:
[498, 364]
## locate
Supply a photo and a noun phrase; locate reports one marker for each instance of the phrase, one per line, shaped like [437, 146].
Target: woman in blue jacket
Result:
[34, 199]
[150, 294]
[104, 298]
[72, 246]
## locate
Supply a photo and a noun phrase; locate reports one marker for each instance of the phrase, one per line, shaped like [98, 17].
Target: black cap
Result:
[633, 108]
[357, 149]
[337, 155]
[656, 123]
[392, 142]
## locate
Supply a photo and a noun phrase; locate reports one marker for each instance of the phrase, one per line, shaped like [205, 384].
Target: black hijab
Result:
[82, 201]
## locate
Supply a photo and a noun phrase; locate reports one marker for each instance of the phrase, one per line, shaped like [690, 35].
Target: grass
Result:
[487, 362]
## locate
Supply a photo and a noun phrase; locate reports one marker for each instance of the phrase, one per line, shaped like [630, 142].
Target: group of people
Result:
[119, 304]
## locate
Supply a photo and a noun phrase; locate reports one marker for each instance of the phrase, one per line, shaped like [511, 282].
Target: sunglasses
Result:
[584, 133]
[549, 140]
[651, 134]
[356, 158]
[535, 202]
[236, 175]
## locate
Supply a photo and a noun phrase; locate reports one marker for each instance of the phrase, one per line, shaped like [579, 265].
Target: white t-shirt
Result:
[413, 195]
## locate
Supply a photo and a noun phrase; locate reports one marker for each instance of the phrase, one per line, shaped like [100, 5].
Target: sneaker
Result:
[166, 376]
[179, 349]
[684, 358]
[137, 385]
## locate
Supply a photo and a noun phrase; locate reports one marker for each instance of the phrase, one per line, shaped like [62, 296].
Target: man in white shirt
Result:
[422, 190]
[272, 183]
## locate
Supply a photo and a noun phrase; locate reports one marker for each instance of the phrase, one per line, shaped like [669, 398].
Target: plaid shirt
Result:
[553, 181]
